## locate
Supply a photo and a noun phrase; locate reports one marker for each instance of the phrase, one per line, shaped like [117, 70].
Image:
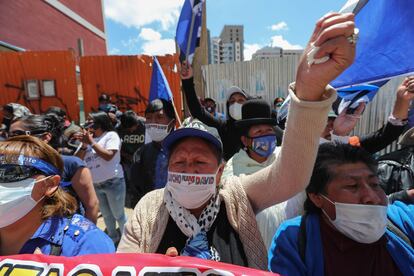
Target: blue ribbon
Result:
[198, 247]
[30, 161]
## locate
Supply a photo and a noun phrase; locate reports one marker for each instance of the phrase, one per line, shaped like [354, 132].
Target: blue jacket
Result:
[284, 257]
[77, 236]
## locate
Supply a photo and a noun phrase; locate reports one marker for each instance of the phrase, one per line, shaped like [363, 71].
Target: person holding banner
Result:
[197, 214]
[36, 215]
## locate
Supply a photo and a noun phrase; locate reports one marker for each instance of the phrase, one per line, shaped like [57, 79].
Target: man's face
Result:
[352, 183]
[329, 127]
[237, 98]
[157, 117]
[210, 106]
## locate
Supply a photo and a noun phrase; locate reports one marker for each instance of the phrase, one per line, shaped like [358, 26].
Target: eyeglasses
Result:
[14, 173]
[25, 132]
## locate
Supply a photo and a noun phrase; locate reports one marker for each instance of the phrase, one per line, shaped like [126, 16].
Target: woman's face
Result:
[195, 156]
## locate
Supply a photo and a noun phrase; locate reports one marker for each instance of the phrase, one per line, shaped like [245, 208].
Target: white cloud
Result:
[159, 47]
[279, 41]
[149, 34]
[138, 13]
[154, 44]
[279, 26]
[250, 49]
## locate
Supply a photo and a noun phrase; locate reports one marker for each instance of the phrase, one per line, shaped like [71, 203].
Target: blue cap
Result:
[193, 128]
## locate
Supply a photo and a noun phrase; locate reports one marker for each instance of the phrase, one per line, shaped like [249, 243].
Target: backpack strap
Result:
[397, 231]
[56, 249]
[302, 238]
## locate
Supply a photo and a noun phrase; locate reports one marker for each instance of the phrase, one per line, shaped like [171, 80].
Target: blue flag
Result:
[386, 41]
[191, 14]
[159, 85]
[351, 97]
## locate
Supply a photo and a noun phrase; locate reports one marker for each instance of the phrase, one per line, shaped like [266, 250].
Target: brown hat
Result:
[407, 139]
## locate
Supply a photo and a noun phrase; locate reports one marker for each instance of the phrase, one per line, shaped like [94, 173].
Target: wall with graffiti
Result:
[126, 79]
[39, 80]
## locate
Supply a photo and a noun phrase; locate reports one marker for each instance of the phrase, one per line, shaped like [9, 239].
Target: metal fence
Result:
[270, 79]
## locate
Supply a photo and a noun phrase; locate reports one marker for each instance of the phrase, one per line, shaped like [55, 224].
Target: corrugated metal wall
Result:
[270, 78]
[266, 78]
[126, 79]
[377, 112]
[15, 68]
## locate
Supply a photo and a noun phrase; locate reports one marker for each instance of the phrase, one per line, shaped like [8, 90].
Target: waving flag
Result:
[159, 85]
[351, 97]
[189, 28]
[386, 41]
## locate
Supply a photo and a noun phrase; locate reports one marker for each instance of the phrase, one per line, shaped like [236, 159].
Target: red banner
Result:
[117, 265]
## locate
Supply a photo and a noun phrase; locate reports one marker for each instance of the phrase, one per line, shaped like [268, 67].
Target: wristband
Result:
[396, 121]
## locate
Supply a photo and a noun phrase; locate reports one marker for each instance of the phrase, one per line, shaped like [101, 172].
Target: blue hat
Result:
[193, 128]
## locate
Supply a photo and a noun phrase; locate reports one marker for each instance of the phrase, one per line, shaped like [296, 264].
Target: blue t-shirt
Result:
[70, 166]
[76, 236]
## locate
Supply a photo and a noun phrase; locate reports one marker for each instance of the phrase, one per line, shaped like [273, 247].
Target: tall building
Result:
[271, 52]
[229, 46]
[53, 25]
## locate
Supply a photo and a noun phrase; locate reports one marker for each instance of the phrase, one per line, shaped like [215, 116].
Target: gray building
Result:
[229, 46]
[272, 52]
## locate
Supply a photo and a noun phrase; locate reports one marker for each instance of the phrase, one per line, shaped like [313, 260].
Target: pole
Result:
[190, 36]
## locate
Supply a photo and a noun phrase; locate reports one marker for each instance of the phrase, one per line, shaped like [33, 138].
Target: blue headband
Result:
[23, 160]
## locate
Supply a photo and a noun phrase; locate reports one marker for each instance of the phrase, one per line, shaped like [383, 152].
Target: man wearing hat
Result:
[260, 136]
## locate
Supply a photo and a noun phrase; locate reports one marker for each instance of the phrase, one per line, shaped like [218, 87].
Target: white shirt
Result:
[101, 169]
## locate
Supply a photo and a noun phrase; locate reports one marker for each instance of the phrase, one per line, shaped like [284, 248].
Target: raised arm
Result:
[311, 101]
[196, 110]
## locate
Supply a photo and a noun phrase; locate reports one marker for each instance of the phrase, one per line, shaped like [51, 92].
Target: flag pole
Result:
[187, 52]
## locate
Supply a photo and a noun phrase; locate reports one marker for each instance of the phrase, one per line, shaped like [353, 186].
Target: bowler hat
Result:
[256, 112]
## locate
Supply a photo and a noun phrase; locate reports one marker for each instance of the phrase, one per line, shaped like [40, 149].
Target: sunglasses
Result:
[25, 132]
[13, 173]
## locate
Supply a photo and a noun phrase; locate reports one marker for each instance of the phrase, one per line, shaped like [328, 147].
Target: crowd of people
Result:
[300, 196]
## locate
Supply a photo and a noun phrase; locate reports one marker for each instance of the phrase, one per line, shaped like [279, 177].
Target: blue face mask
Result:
[263, 145]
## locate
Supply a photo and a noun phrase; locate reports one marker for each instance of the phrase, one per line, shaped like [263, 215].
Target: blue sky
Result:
[148, 26]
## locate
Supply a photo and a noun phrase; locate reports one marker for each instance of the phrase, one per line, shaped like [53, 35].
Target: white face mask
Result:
[191, 190]
[235, 111]
[157, 132]
[362, 223]
[16, 200]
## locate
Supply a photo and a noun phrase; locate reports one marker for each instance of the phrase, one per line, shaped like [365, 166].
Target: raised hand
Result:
[331, 36]
[345, 123]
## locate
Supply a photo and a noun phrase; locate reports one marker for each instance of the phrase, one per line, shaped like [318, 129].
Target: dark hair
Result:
[161, 104]
[56, 110]
[278, 100]
[331, 155]
[40, 124]
[102, 120]
[129, 119]
[217, 153]
[104, 97]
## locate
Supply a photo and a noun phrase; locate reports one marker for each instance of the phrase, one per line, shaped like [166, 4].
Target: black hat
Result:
[255, 112]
